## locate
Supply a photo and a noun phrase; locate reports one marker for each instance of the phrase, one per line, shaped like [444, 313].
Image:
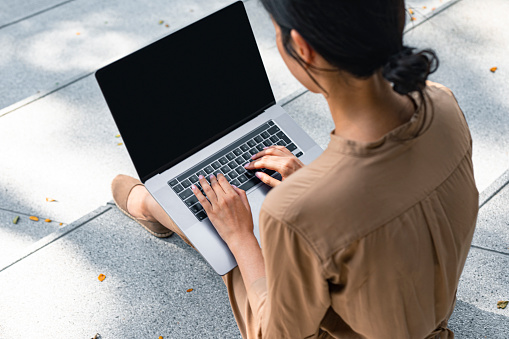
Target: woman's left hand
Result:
[227, 208]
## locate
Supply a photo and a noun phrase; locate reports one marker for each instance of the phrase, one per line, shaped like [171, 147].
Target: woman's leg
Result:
[142, 205]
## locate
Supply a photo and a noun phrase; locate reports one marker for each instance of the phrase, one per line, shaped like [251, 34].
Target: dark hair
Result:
[360, 37]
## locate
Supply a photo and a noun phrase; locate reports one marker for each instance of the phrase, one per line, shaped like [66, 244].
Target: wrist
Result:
[241, 242]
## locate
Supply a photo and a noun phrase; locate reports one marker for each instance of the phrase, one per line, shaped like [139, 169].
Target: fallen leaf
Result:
[34, 218]
[50, 200]
[117, 136]
[502, 304]
[60, 224]
[161, 22]
[160, 337]
[166, 25]
[15, 220]
[119, 144]
[411, 11]
[190, 290]
[493, 69]
[78, 33]
[47, 220]
[424, 7]
[414, 18]
[101, 277]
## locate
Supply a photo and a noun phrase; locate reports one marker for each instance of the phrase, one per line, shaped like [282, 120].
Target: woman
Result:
[369, 240]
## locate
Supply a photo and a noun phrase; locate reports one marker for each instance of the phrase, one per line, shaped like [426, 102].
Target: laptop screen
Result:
[183, 92]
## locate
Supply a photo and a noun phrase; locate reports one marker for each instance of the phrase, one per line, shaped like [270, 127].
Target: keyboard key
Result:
[209, 169]
[274, 139]
[251, 143]
[298, 155]
[273, 130]
[267, 143]
[193, 178]
[191, 201]
[202, 215]
[223, 161]
[246, 156]
[291, 147]
[253, 151]
[178, 188]
[195, 208]
[216, 165]
[260, 147]
[242, 178]
[244, 148]
[173, 182]
[265, 135]
[250, 183]
[281, 143]
[233, 174]
[186, 183]
[250, 174]
[201, 173]
[225, 169]
[271, 123]
[237, 152]
[283, 136]
[186, 194]
[232, 165]
[230, 156]
[258, 139]
[240, 170]
[269, 172]
[235, 182]
[240, 160]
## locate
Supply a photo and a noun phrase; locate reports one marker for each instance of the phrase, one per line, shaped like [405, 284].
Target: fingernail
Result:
[234, 186]
[193, 187]
[212, 176]
[201, 176]
[265, 147]
[219, 173]
[246, 165]
[258, 175]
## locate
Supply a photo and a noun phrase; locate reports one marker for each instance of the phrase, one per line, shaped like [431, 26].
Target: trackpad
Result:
[256, 198]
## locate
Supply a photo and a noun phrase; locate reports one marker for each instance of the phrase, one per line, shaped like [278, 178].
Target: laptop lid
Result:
[183, 92]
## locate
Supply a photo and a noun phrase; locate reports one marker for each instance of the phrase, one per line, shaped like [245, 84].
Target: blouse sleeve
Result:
[292, 299]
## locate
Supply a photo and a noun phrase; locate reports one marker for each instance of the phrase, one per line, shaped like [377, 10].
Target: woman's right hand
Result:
[276, 158]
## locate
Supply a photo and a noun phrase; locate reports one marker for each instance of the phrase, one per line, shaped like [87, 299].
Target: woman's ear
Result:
[303, 49]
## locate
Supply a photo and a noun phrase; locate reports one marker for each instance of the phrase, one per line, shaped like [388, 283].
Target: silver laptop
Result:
[198, 101]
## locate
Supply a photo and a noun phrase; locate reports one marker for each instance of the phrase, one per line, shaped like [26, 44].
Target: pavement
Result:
[58, 142]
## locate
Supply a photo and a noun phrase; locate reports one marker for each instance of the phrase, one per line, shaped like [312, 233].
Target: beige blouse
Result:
[369, 240]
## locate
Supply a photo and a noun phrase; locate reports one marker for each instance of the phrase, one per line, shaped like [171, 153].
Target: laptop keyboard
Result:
[230, 161]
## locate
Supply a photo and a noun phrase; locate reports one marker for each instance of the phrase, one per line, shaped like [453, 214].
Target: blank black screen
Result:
[185, 91]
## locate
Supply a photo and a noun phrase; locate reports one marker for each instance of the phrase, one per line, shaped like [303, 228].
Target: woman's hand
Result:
[276, 158]
[227, 208]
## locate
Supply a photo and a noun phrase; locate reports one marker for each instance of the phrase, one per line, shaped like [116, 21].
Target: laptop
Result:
[199, 101]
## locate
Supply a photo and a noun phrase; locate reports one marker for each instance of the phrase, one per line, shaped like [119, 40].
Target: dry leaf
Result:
[414, 18]
[119, 144]
[493, 69]
[166, 27]
[15, 220]
[47, 220]
[190, 290]
[50, 200]
[161, 22]
[60, 224]
[34, 218]
[117, 136]
[502, 304]
[160, 337]
[424, 7]
[411, 11]
[101, 277]
[78, 33]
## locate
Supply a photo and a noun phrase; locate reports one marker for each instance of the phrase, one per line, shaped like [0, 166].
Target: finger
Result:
[267, 179]
[269, 162]
[211, 195]
[201, 198]
[272, 150]
[215, 186]
[243, 196]
[225, 185]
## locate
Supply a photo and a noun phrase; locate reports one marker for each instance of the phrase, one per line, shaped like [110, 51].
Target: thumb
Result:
[243, 196]
[267, 179]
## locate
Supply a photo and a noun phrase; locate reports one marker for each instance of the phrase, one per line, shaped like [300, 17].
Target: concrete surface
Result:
[60, 143]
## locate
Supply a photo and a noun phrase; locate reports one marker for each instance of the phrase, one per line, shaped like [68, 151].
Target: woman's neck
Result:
[366, 110]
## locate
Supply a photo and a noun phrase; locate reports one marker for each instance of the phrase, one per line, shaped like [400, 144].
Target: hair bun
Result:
[408, 71]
